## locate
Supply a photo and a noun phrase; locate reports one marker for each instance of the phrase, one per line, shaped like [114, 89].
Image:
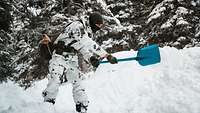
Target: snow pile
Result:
[172, 86]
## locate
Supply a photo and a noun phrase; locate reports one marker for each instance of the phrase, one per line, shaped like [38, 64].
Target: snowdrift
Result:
[172, 86]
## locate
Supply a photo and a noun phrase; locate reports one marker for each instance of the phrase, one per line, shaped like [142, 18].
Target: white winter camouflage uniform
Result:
[66, 65]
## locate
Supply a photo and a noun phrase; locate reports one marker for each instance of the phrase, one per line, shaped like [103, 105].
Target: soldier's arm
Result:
[88, 47]
[85, 44]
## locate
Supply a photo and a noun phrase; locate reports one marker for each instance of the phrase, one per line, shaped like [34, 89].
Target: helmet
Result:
[95, 18]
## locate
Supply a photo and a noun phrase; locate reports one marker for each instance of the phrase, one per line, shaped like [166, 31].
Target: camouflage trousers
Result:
[61, 70]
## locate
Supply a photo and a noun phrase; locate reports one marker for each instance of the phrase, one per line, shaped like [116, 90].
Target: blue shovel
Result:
[146, 56]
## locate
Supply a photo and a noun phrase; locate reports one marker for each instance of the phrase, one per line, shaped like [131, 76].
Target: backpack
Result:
[45, 51]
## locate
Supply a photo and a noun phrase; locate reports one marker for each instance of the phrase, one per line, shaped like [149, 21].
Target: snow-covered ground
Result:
[172, 86]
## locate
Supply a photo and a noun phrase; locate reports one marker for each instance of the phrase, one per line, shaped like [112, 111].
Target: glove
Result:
[94, 61]
[112, 59]
[45, 39]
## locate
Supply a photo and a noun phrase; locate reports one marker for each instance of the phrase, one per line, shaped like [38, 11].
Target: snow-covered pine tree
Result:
[175, 22]
[5, 40]
[152, 16]
[5, 56]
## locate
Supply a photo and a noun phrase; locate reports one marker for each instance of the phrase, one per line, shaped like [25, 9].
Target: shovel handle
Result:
[123, 59]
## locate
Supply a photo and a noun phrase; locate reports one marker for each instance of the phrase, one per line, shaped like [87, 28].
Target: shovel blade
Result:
[148, 55]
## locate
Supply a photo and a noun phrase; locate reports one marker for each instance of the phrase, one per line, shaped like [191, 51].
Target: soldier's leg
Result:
[80, 97]
[56, 71]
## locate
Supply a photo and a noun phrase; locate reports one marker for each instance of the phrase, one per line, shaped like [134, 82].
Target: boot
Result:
[50, 100]
[81, 108]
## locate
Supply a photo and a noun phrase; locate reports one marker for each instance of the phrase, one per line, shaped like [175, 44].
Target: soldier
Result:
[63, 66]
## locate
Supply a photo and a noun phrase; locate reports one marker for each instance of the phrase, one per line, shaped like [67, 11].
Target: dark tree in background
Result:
[5, 40]
[5, 16]
[5, 56]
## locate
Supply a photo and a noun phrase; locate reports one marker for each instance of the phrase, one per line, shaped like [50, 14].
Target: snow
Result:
[102, 2]
[1, 40]
[182, 10]
[181, 21]
[195, 2]
[110, 42]
[169, 22]
[168, 0]
[180, 0]
[172, 86]
[122, 15]
[107, 43]
[120, 4]
[181, 38]
[197, 34]
[176, 43]
[57, 17]
[175, 18]
[114, 18]
[197, 30]
[156, 13]
[4, 53]
[34, 11]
